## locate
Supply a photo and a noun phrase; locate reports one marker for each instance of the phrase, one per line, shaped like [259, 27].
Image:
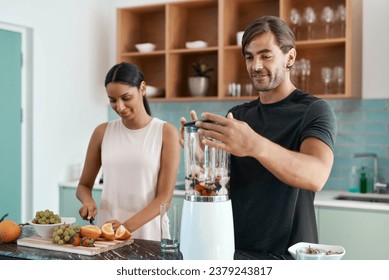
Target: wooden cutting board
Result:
[100, 245]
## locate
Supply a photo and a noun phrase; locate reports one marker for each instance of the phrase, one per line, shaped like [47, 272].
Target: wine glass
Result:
[303, 67]
[310, 20]
[326, 76]
[338, 77]
[340, 17]
[295, 73]
[295, 21]
[328, 17]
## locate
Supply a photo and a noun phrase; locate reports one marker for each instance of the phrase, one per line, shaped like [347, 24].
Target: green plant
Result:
[201, 69]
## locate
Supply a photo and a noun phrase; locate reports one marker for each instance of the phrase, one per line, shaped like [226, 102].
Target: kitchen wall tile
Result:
[363, 126]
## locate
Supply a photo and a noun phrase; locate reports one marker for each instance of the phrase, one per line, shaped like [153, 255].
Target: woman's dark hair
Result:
[284, 36]
[129, 74]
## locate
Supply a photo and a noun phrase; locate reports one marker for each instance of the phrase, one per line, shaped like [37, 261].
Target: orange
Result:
[9, 231]
[90, 231]
[122, 233]
[108, 231]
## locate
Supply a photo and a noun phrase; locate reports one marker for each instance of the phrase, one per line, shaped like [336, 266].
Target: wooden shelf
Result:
[171, 25]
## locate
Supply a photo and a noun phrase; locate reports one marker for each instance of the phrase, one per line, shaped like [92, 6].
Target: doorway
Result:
[15, 122]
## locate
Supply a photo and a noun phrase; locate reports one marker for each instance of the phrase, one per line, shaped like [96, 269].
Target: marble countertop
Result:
[324, 198]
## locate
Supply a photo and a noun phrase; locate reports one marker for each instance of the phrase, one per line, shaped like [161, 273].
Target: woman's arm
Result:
[91, 168]
[170, 159]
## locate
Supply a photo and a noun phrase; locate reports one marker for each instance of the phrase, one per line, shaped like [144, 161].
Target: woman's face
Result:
[125, 100]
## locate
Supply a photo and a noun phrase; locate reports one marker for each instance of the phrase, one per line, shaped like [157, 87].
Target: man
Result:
[281, 147]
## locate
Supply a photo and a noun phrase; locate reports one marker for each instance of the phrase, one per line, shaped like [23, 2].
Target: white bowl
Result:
[145, 47]
[46, 230]
[333, 252]
[153, 91]
[196, 44]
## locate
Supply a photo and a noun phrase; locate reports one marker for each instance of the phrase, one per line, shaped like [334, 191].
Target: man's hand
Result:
[193, 117]
[233, 136]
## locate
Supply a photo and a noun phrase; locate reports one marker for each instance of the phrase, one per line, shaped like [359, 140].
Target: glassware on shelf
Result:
[328, 18]
[295, 74]
[340, 18]
[338, 78]
[310, 20]
[326, 76]
[305, 66]
[295, 22]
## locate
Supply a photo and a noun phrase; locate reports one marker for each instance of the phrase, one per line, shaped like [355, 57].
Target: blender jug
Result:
[207, 207]
[206, 168]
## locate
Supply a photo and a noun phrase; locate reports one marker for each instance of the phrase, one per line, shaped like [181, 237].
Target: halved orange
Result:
[108, 232]
[122, 233]
[90, 231]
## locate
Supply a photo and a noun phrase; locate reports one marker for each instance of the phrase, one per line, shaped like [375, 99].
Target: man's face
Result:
[265, 62]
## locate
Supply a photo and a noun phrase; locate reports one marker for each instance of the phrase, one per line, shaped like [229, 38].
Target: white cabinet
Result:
[363, 233]
[69, 204]
[375, 56]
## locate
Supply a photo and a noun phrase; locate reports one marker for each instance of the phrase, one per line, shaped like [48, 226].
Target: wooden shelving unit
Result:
[171, 25]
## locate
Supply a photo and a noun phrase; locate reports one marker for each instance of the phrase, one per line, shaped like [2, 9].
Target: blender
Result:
[207, 230]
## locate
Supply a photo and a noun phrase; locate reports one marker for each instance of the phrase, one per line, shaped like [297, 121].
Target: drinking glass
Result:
[310, 20]
[169, 227]
[326, 76]
[338, 77]
[340, 17]
[295, 22]
[328, 18]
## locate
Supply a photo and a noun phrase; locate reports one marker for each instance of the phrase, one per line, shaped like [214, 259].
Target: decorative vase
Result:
[198, 86]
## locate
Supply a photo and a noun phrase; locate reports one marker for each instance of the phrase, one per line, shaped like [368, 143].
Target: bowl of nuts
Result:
[313, 251]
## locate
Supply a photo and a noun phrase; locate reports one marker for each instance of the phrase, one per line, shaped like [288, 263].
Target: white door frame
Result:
[26, 97]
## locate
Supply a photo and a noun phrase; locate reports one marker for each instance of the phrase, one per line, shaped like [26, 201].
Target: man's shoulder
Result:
[244, 106]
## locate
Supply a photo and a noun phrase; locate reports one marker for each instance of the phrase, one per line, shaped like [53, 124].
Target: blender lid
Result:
[192, 123]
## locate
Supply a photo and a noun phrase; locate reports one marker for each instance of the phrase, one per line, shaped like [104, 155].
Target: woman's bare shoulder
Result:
[99, 131]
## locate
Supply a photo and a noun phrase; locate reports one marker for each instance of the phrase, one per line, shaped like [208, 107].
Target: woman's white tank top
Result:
[130, 164]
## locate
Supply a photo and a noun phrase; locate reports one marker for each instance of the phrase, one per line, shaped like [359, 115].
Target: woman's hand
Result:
[88, 211]
[115, 223]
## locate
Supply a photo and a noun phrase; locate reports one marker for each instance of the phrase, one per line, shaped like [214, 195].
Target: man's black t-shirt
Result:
[270, 216]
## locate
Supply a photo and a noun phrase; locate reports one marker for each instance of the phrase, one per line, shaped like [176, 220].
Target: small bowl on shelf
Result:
[196, 44]
[46, 230]
[153, 91]
[145, 47]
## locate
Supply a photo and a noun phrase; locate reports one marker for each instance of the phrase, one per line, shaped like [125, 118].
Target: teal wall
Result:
[363, 126]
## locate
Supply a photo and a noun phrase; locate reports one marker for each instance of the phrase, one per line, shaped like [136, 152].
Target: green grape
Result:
[61, 242]
[66, 238]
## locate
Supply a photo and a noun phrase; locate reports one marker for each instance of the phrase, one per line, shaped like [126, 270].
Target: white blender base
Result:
[207, 231]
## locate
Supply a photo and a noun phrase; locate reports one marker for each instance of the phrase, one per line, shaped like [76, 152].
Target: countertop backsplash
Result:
[363, 127]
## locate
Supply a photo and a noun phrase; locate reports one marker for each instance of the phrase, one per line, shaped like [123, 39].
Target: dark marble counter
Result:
[139, 250]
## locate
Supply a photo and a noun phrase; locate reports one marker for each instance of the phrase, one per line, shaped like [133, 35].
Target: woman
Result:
[139, 155]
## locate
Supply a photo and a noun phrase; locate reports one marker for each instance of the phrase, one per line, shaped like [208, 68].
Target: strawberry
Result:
[76, 240]
[87, 242]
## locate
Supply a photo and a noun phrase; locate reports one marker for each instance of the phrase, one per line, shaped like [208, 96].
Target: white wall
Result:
[71, 55]
[375, 49]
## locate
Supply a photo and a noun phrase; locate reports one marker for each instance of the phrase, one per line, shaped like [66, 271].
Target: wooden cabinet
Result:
[170, 25]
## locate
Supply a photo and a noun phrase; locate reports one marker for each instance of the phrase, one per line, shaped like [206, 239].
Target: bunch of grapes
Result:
[65, 234]
[46, 217]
